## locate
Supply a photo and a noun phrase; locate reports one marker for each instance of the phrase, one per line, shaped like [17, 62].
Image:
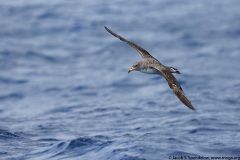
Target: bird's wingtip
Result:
[194, 109]
[182, 97]
[106, 28]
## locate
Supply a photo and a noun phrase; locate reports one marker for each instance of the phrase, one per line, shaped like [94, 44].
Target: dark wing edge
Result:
[175, 86]
[181, 96]
[142, 51]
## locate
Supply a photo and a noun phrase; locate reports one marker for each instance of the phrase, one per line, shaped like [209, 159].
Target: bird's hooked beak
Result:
[131, 69]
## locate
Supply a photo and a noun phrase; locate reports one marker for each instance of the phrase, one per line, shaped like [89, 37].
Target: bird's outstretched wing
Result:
[142, 51]
[182, 97]
[175, 86]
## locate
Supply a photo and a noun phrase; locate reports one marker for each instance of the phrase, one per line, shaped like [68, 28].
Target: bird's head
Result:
[135, 67]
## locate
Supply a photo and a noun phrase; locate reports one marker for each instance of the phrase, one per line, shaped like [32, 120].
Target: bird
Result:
[151, 65]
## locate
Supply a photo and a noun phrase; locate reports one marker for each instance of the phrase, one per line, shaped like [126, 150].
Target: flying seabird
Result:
[151, 65]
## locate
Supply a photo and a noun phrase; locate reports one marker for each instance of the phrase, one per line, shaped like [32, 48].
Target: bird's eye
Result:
[135, 65]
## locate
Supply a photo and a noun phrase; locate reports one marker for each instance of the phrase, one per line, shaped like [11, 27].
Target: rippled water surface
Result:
[65, 92]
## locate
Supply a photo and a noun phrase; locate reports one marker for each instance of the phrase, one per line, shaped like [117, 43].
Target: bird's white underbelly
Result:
[150, 71]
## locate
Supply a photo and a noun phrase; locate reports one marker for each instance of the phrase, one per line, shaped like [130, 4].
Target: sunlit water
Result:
[65, 92]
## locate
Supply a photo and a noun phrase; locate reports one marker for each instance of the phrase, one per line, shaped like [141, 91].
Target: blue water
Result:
[65, 92]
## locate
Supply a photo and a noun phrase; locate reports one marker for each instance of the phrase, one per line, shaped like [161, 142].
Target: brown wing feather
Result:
[142, 51]
[181, 96]
[174, 85]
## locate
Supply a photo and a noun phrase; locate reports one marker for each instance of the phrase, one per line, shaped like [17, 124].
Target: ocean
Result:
[65, 92]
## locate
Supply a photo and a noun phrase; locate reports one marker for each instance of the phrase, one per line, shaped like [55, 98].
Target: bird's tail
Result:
[174, 70]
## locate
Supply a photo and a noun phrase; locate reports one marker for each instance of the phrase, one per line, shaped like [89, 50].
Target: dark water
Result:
[65, 92]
